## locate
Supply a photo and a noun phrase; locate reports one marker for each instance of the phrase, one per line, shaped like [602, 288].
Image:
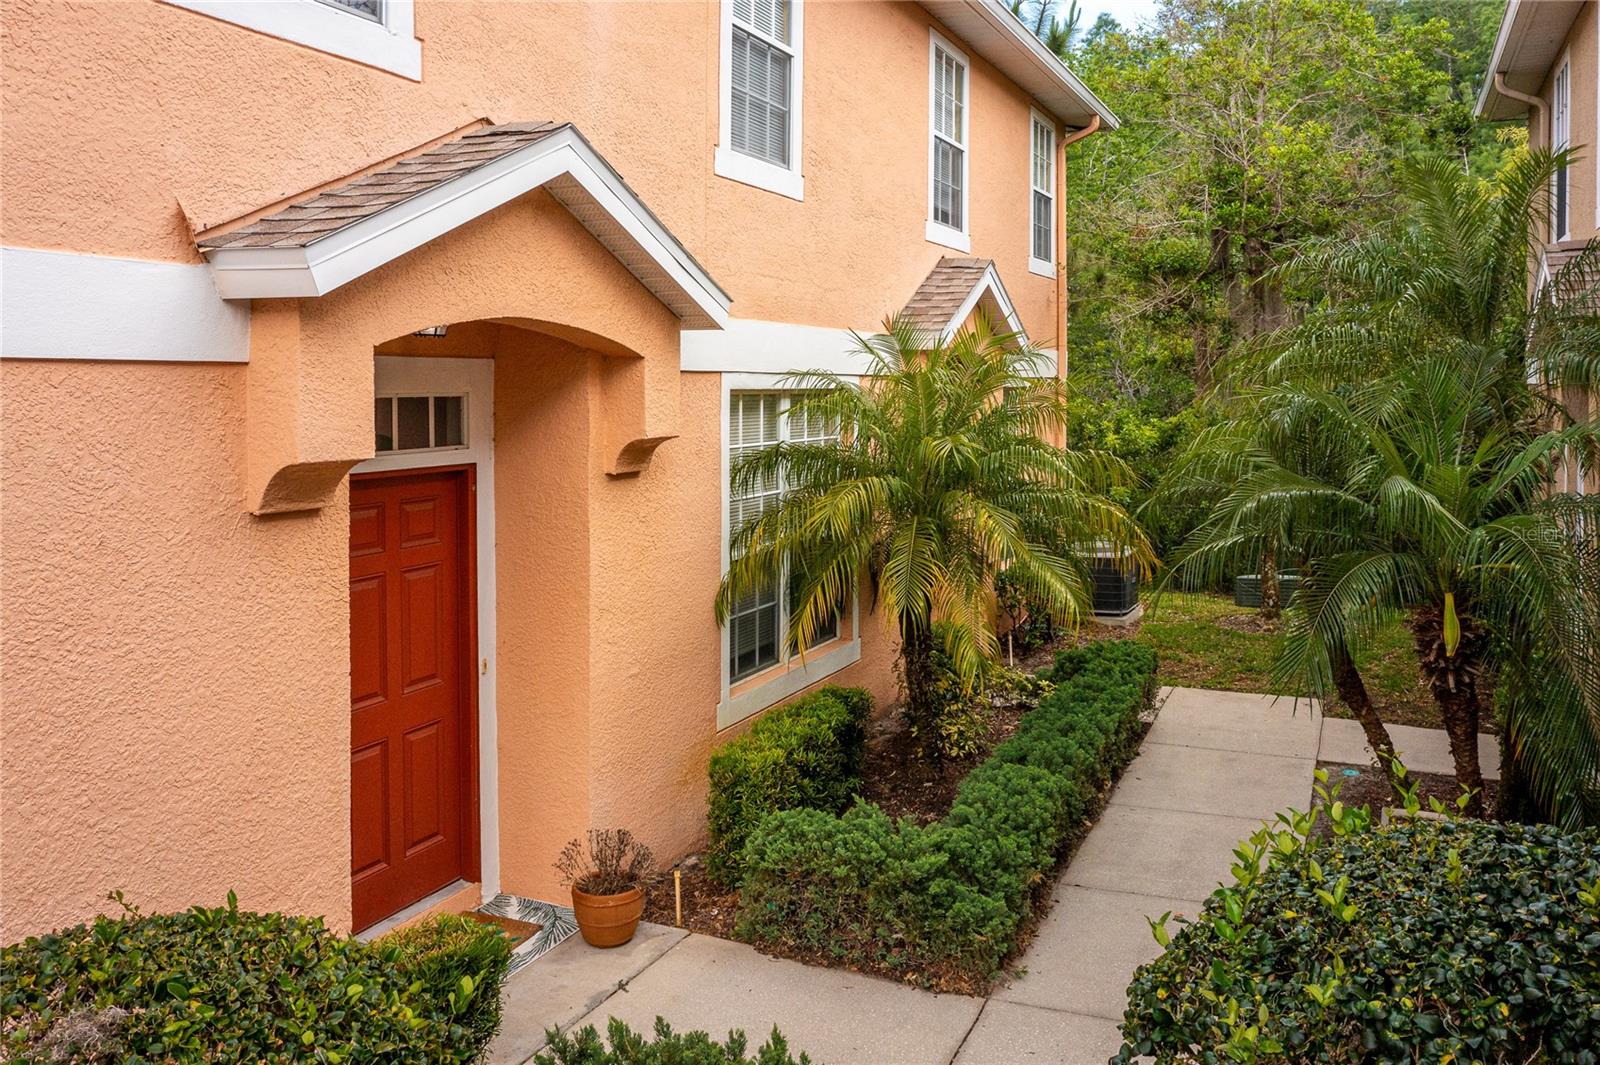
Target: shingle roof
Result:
[334, 208]
[943, 292]
[1561, 253]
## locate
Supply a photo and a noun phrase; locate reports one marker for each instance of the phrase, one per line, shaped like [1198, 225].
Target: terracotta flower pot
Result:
[608, 920]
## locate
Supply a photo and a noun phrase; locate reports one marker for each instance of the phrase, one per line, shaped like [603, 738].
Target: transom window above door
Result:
[419, 423]
[761, 94]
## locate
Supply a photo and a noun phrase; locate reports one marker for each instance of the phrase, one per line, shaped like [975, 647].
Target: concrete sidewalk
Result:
[1214, 765]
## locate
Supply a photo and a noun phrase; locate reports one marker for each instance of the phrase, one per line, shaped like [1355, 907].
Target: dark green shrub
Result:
[945, 901]
[627, 1047]
[228, 985]
[805, 755]
[1432, 941]
[458, 962]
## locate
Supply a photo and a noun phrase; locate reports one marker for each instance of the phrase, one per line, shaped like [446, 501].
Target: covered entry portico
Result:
[488, 678]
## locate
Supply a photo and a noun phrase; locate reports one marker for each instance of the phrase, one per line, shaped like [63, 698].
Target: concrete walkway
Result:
[1214, 765]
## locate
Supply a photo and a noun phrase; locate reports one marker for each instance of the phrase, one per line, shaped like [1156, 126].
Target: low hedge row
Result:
[229, 985]
[1463, 941]
[806, 754]
[623, 1046]
[945, 901]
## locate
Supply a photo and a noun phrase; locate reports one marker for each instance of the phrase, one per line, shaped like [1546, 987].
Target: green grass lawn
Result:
[1205, 641]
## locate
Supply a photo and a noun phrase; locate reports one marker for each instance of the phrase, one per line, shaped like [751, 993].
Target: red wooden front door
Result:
[411, 737]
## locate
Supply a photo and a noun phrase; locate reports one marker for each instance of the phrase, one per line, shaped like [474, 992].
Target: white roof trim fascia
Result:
[988, 283]
[1521, 18]
[1506, 21]
[1012, 36]
[342, 256]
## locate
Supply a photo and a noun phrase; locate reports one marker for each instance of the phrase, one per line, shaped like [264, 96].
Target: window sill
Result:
[390, 45]
[1042, 268]
[937, 233]
[736, 166]
[785, 680]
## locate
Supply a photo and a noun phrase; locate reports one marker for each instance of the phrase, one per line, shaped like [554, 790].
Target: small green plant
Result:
[624, 1046]
[959, 719]
[225, 984]
[803, 755]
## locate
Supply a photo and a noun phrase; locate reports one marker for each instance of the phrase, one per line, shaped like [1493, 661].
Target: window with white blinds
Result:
[761, 94]
[1042, 245]
[947, 136]
[757, 624]
[1560, 139]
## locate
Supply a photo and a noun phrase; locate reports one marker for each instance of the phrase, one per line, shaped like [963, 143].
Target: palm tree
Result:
[943, 478]
[1424, 391]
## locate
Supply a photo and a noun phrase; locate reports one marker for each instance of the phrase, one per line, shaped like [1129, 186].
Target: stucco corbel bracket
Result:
[636, 454]
[301, 486]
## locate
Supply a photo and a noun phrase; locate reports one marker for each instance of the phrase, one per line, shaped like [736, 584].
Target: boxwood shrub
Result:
[229, 985]
[943, 903]
[624, 1046]
[806, 754]
[1431, 941]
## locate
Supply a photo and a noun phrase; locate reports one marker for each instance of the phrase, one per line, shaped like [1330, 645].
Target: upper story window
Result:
[1042, 231]
[1560, 139]
[947, 146]
[762, 66]
[377, 33]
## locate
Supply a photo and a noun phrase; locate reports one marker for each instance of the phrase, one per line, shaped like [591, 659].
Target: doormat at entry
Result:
[555, 924]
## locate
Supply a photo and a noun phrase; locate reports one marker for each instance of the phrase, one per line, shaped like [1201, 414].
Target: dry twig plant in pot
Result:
[607, 871]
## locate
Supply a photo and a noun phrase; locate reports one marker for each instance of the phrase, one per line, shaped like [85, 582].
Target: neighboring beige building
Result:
[371, 371]
[1546, 66]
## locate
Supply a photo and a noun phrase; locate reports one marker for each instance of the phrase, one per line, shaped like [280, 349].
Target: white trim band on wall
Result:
[68, 305]
[749, 345]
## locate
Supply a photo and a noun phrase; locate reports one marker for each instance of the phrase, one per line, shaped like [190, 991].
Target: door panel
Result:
[411, 827]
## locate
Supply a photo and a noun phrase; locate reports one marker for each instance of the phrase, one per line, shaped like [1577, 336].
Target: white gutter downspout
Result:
[1061, 252]
[1534, 102]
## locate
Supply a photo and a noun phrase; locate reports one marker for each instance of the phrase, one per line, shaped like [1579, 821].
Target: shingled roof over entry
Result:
[314, 245]
[952, 290]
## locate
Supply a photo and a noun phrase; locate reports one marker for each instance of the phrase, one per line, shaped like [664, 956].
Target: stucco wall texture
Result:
[174, 694]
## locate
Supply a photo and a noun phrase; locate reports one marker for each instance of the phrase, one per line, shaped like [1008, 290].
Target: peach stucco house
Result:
[1546, 66]
[371, 372]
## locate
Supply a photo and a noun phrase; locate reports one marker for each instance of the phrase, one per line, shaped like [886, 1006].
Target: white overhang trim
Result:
[994, 33]
[989, 291]
[752, 346]
[1531, 39]
[68, 305]
[389, 44]
[576, 175]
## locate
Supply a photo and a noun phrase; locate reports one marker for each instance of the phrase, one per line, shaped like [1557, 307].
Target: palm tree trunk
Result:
[1453, 679]
[1353, 690]
[916, 664]
[1271, 590]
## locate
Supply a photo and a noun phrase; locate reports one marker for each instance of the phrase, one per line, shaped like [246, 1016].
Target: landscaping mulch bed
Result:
[904, 786]
[1365, 785]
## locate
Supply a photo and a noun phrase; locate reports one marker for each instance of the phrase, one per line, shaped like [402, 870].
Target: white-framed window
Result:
[949, 172]
[1560, 139]
[757, 626]
[378, 33]
[410, 421]
[762, 87]
[1042, 197]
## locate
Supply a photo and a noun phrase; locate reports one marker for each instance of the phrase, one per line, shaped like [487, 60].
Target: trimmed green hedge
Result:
[627, 1047]
[229, 985]
[806, 754]
[1431, 941]
[945, 901]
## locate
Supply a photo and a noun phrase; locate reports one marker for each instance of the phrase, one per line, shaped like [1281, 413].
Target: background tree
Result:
[944, 478]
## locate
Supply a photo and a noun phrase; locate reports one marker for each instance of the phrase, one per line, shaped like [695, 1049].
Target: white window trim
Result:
[474, 379]
[788, 676]
[938, 232]
[1562, 68]
[1044, 267]
[748, 170]
[390, 45]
